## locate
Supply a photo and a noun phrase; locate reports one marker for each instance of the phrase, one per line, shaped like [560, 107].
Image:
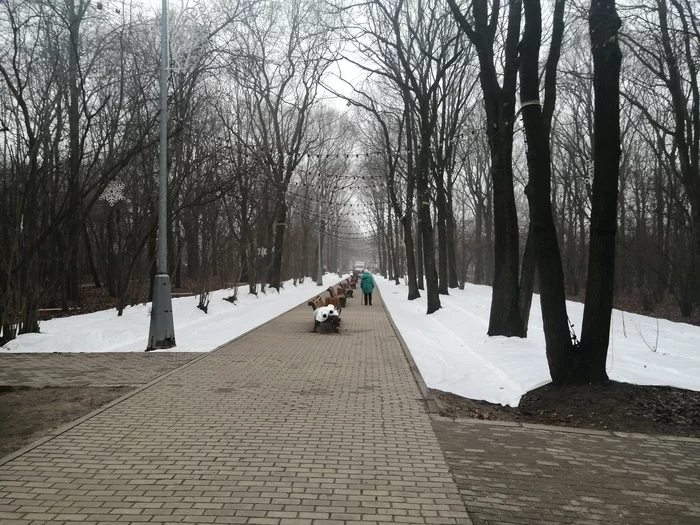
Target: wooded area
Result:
[551, 148]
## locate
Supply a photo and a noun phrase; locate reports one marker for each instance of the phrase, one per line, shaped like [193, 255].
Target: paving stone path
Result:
[508, 474]
[281, 427]
[80, 369]
[288, 427]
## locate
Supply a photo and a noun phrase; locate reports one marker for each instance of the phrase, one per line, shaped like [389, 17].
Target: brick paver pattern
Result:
[515, 475]
[81, 369]
[281, 427]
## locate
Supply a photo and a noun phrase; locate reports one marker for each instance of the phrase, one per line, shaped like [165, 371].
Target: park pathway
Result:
[281, 426]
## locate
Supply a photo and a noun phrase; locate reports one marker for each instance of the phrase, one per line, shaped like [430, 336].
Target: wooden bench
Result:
[339, 292]
[346, 287]
[318, 302]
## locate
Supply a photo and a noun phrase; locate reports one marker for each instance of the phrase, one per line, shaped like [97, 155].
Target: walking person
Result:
[367, 284]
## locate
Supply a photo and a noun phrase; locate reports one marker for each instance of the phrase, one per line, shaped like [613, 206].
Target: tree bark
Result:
[423, 194]
[453, 274]
[504, 318]
[419, 252]
[478, 246]
[527, 275]
[552, 293]
[91, 260]
[604, 24]
[499, 102]
[441, 204]
[275, 279]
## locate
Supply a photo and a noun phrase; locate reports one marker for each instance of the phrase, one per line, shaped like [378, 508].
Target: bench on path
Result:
[337, 291]
[319, 302]
[345, 284]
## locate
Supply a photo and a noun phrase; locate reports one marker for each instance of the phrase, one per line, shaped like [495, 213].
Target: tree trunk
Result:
[661, 266]
[112, 257]
[488, 229]
[74, 224]
[419, 252]
[398, 270]
[423, 194]
[411, 269]
[275, 279]
[552, 289]
[91, 260]
[451, 246]
[499, 103]
[191, 227]
[603, 27]
[695, 252]
[478, 246]
[504, 318]
[527, 276]
[442, 241]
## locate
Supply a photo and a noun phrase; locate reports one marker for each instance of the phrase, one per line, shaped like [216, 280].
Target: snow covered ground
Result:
[454, 353]
[195, 331]
[450, 346]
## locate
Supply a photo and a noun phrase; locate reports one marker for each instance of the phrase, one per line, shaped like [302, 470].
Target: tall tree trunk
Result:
[75, 225]
[661, 266]
[527, 275]
[275, 279]
[91, 260]
[423, 194]
[398, 269]
[442, 241]
[453, 281]
[419, 251]
[695, 252]
[603, 28]
[478, 245]
[499, 103]
[552, 293]
[504, 318]
[411, 269]
[488, 230]
[192, 226]
[112, 256]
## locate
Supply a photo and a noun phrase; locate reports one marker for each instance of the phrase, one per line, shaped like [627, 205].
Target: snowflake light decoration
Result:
[113, 192]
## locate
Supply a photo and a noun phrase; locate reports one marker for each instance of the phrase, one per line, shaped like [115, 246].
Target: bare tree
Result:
[499, 100]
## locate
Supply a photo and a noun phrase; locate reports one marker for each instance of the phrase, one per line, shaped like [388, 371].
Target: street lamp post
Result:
[162, 331]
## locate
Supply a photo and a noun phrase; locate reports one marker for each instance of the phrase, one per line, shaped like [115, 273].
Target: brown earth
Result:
[28, 414]
[609, 406]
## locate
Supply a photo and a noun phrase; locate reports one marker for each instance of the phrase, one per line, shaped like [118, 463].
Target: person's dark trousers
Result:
[368, 297]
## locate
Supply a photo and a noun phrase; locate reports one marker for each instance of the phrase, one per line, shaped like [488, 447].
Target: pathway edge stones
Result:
[431, 402]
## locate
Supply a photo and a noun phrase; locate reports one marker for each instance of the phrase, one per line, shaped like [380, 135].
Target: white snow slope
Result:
[195, 331]
[454, 354]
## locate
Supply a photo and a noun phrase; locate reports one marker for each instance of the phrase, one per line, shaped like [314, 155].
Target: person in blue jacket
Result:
[367, 284]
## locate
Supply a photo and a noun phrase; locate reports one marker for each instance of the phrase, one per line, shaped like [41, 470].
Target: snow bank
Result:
[454, 353]
[195, 331]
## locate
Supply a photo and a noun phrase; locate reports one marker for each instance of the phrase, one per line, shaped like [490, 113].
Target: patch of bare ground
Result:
[28, 414]
[609, 406]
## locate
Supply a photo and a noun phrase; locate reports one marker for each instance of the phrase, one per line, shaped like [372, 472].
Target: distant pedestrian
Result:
[367, 284]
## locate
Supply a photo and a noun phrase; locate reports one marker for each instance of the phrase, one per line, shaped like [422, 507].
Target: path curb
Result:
[431, 402]
[568, 430]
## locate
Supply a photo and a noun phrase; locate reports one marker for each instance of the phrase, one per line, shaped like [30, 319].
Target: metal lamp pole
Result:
[162, 331]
